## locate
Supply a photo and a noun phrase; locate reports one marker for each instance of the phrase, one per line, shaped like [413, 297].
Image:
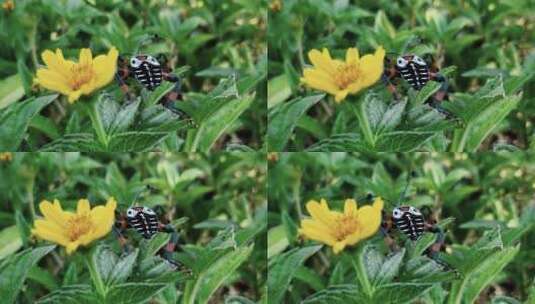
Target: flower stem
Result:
[97, 123]
[364, 124]
[95, 276]
[362, 275]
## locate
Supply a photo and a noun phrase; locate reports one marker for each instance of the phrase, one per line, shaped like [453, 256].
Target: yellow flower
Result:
[341, 78]
[74, 79]
[6, 156]
[8, 5]
[338, 229]
[74, 229]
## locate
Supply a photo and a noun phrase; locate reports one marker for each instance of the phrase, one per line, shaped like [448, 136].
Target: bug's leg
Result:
[440, 95]
[120, 76]
[167, 251]
[169, 99]
[118, 228]
[388, 75]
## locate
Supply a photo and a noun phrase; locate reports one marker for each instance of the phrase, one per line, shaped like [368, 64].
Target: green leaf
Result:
[159, 93]
[122, 269]
[135, 141]
[213, 126]
[124, 117]
[10, 241]
[485, 272]
[426, 240]
[151, 247]
[132, 293]
[427, 91]
[337, 294]
[277, 241]
[11, 90]
[13, 275]
[399, 292]
[283, 119]
[71, 294]
[282, 270]
[278, 90]
[389, 269]
[14, 120]
[105, 261]
[209, 280]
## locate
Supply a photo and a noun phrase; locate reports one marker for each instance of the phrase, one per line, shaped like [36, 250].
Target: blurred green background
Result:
[480, 191]
[475, 40]
[219, 200]
[205, 42]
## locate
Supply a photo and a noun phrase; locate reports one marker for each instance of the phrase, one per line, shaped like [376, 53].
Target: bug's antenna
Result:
[147, 187]
[407, 184]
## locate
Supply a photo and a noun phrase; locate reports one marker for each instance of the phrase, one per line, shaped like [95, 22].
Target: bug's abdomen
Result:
[410, 225]
[149, 76]
[416, 75]
[146, 225]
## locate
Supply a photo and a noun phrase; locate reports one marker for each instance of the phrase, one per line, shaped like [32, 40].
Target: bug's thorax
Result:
[414, 70]
[409, 221]
[147, 71]
[143, 220]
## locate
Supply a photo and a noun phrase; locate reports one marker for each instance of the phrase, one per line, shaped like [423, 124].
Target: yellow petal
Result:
[52, 80]
[85, 58]
[72, 246]
[104, 217]
[352, 56]
[320, 80]
[320, 212]
[54, 213]
[372, 67]
[322, 61]
[316, 231]
[74, 96]
[105, 67]
[341, 95]
[83, 207]
[339, 246]
[49, 231]
[354, 238]
[370, 218]
[350, 207]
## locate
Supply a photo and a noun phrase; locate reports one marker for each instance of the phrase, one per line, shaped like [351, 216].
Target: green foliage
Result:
[216, 202]
[481, 201]
[204, 45]
[473, 44]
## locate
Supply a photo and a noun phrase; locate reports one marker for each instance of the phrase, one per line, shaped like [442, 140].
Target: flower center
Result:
[82, 74]
[345, 226]
[78, 226]
[346, 74]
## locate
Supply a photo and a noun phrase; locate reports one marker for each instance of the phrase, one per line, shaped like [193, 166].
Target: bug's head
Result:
[403, 61]
[399, 212]
[138, 60]
[133, 212]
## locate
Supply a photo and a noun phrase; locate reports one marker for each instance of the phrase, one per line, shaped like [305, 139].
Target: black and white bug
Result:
[144, 221]
[147, 71]
[409, 220]
[414, 70]
[150, 73]
[417, 73]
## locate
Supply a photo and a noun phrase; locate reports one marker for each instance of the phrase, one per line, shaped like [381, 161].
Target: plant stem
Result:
[362, 275]
[95, 276]
[96, 121]
[364, 124]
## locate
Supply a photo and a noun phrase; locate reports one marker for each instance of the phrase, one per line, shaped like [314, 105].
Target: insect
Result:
[411, 222]
[417, 73]
[149, 72]
[144, 221]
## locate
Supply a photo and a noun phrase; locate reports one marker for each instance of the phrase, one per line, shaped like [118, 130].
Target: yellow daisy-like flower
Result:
[341, 78]
[338, 229]
[74, 79]
[6, 156]
[72, 230]
[8, 5]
